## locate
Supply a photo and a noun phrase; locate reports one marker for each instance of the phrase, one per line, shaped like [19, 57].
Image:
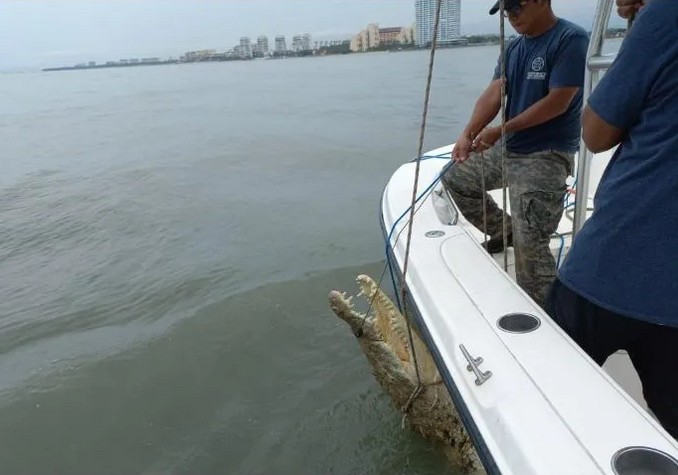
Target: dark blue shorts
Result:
[653, 349]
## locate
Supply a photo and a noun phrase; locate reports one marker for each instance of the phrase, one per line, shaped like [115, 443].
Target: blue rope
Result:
[562, 238]
[560, 251]
[393, 282]
[445, 156]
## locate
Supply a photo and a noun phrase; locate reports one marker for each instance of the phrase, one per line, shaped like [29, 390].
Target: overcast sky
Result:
[53, 32]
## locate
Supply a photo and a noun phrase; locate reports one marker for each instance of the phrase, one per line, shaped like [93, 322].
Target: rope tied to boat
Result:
[504, 185]
[402, 302]
[502, 59]
[403, 287]
[422, 134]
[484, 193]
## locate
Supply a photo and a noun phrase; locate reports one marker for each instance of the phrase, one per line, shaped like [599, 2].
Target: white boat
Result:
[532, 401]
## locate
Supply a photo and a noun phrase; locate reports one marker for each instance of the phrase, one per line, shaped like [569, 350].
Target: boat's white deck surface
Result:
[547, 408]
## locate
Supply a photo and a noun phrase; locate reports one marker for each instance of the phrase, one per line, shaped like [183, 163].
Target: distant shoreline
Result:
[106, 66]
[487, 40]
[81, 67]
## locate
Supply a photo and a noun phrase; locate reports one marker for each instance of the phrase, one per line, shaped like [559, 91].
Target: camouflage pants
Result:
[536, 184]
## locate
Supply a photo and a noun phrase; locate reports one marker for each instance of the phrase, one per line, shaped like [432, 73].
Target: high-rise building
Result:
[245, 47]
[262, 44]
[280, 44]
[306, 42]
[302, 43]
[450, 21]
[296, 43]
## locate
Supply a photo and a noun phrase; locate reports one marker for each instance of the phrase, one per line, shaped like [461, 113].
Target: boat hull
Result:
[542, 406]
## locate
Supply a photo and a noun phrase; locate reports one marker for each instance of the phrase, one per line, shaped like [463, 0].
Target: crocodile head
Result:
[383, 336]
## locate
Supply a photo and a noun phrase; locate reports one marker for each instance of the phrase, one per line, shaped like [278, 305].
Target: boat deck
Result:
[619, 365]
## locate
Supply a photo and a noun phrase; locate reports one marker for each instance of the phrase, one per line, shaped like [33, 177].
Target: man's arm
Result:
[598, 135]
[486, 108]
[617, 102]
[565, 80]
[554, 104]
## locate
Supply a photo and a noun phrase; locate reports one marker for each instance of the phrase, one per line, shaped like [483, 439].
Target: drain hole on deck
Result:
[643, 461]
[518, 323]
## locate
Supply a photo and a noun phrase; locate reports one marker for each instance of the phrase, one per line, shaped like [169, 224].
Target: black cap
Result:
[508, 4]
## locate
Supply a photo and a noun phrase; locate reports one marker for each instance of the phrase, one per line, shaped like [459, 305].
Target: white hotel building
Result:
[450, 21]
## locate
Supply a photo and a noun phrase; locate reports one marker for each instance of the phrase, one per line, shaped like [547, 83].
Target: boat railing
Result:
[596, 62]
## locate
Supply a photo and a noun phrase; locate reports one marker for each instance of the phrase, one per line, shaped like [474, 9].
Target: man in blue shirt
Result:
[618, 287]
[544, 74]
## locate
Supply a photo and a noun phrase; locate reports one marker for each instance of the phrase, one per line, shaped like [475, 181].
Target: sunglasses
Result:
[514, 11]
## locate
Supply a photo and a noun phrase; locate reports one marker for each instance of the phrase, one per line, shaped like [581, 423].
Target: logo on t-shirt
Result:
[537, 69]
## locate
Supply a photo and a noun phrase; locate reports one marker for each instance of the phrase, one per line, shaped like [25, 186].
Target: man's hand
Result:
[486, 139]
[461, 149]
[628, 8]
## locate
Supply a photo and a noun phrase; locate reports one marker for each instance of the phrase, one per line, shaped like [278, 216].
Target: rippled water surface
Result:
[168, 238]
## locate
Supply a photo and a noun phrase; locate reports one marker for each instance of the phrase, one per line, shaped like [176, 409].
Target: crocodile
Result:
[384, 338]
